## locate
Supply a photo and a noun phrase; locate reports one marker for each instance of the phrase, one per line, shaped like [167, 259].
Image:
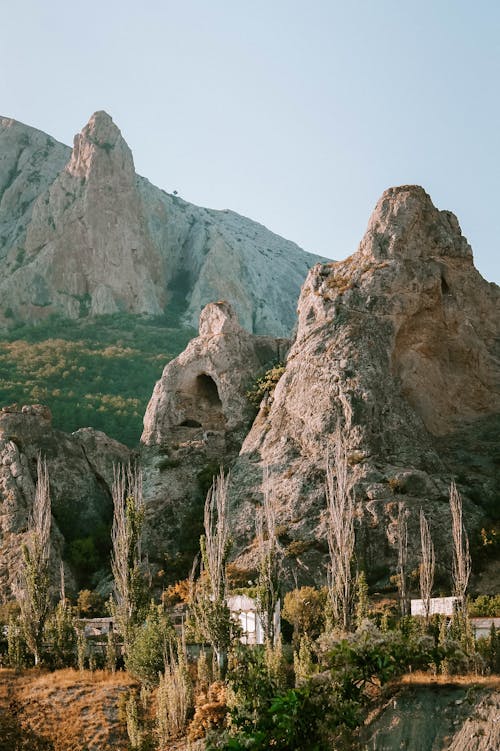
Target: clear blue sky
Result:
[296, 114]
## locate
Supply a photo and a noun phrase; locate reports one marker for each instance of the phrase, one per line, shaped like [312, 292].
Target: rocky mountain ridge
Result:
[400, 344]
[80, 468]
[81, 234]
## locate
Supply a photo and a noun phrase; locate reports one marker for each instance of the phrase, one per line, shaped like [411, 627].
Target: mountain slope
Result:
[82, 234]
[400, 343]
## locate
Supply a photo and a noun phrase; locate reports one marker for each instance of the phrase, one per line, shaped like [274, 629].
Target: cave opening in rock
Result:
[445, 290]
[206, 390]
[205, 406]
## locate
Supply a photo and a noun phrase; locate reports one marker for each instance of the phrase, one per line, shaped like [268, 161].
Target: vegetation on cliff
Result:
[97, 372]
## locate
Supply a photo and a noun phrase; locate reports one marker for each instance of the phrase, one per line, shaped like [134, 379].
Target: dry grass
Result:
[71, 709]
[381, 697]
[427, 679]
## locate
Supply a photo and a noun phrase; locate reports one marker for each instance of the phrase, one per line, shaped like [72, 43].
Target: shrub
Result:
[304, 609]
[485, 606]
[210, 713]
[265, 384]
[174, 698]
[149, 646]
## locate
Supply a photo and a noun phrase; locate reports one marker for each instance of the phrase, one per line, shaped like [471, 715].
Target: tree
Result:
[208, 604]
[126, 556]
[340, 531]
[427, 565]
[304, 609]
[33, 585]
[270, 554]
[150, 645]
[461, 556]
[402, 573]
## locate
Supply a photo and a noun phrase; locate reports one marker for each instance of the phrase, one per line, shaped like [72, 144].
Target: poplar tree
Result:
[33, 585]
[427, 565]
[208, 604]
[270, 561]
[340, 531]
[126, 555]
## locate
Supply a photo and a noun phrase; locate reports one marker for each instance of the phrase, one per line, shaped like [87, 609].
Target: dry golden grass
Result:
[72, 709]
[428, 679]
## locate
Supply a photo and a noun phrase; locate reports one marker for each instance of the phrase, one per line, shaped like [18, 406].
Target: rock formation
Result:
[80, 472]
[81, 234]
[197, 419]
[400, 343]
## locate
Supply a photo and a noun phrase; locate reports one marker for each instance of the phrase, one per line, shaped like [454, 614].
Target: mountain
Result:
[81, 234]
[400, 345]
[80, 468]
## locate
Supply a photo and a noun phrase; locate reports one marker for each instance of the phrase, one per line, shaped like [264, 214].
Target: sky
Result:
[296, 114]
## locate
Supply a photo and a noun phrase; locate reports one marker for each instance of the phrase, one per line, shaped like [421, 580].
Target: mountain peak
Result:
[99, 139]
[406, 224]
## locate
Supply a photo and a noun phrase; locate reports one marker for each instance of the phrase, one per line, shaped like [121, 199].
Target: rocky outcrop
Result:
[204, 387]
[400, 343]
[424, 718]
[196, 420]
[80, 473]
[81, 234]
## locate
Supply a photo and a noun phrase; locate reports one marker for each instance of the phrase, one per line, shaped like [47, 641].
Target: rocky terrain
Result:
[459, 716]
[81, 474]
[82, 235]
[400, 344]
[196, 421]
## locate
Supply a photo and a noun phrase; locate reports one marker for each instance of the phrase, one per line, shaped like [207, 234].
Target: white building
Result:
[441, 605]
[244, 610]
[482, 626]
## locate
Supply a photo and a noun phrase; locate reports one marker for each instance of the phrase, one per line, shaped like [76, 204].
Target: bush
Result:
[149, 645]
[485, 606]
[265, 384]
[304, 609]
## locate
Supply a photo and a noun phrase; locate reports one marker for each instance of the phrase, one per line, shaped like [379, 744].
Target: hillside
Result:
[95, 372]
[81, 234]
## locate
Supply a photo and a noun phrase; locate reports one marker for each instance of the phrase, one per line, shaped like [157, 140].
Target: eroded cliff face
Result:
[80, 473]
[400, 343]
[455, 717]
[81, 234]
[196, 421]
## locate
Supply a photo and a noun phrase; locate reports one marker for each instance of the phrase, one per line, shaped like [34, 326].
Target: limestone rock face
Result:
[80, 483]
[196, 419]
[81, 234]
[401, 343]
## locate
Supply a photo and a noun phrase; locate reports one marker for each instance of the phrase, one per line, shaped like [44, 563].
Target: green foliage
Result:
[304, 609]
[290, 722]
[150, 645]
[17, 652]
[361, 599]
[254, 681]
[60, 636]
[35, 598]
[90, 604]
[489, 649]
[485, 606]
[81, 649]
[265, 384]
[131, 588]
[94, 371]
[82, 556]
[111, 651]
